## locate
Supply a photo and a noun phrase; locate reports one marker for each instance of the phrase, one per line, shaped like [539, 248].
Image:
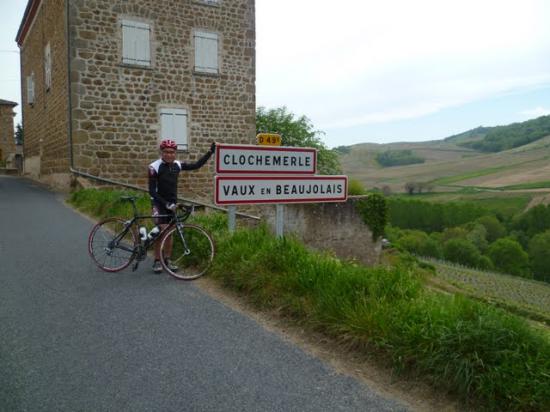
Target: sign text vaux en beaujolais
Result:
[248, 174]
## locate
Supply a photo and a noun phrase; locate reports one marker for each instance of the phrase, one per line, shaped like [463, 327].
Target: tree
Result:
[19, 134]
[539, 255]
[462, 251]
[495, 229]
[419, 243]
[298, 132]
[478, 236]
[508, 256]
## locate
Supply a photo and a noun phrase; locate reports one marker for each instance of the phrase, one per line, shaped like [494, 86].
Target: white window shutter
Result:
[30, 89]
[173, 125]
[136, 43]
[48, 66]
[206, 52]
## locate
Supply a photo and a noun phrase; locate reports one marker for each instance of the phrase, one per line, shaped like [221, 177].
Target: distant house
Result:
[105, 80]
[7, 139]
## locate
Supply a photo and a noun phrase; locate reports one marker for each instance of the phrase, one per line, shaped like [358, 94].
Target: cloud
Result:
[536, 112]
[363, 63]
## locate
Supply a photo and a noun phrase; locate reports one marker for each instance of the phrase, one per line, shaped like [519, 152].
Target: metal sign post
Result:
[280, 220]
[231, 218]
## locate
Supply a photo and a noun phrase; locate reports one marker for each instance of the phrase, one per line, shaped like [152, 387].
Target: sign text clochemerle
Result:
[262, 159]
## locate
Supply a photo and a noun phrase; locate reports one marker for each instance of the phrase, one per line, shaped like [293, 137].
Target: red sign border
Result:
[218, 178]
[266, 148]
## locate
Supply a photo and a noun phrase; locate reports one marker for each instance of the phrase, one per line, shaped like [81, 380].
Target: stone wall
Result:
[115, 107]
[329, 226]
[45, 121]
[7, 141]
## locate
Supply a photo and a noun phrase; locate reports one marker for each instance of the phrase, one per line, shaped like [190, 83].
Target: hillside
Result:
[499, 138]
[451, 165]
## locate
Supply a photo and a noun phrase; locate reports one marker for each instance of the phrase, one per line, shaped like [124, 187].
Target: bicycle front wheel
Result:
[187, 253]
[111, 245]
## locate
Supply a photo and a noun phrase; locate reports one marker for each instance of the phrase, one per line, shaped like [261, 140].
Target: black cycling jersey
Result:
[163, 178]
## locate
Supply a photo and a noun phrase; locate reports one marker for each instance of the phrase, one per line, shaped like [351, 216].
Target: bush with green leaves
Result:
[539, 255]
[419, 243]
[300, 132]
[356, 188]
[391, 158]
[508, 256]
[462, 251]
[495, 229]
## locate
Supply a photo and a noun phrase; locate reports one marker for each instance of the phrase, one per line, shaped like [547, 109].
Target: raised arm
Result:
[199, 163]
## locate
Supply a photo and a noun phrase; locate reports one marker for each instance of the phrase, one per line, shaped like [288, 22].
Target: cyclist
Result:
[163, 189]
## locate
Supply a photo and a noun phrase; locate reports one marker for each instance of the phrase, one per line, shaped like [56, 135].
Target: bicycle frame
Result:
[175, 219]
[115, 242]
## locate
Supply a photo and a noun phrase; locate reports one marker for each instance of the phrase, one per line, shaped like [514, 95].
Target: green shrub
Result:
[508, 256]
[391, 158]
[539, 255]
[419, 243]
[374, 212]
[462, 251]
[495, 229]
[356, 188]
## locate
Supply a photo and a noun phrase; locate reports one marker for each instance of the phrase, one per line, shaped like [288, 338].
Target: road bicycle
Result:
[114, 243]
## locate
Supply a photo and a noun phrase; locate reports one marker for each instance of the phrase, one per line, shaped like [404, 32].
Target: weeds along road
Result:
[74, 338]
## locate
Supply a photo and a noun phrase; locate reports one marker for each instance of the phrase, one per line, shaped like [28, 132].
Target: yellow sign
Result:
[269, 139]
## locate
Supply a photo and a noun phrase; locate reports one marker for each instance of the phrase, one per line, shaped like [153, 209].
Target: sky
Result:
[383, 71]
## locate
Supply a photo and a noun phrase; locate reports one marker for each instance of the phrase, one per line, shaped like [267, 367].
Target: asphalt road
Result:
[74, 338]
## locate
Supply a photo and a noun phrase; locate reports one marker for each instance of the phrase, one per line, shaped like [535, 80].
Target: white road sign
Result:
[250, 159]
[234, 190]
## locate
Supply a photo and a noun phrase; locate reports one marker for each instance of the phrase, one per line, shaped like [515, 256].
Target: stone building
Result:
[7, 140]
[105, 80]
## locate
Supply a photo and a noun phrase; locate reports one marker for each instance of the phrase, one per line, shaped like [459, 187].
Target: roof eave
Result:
[28, 17]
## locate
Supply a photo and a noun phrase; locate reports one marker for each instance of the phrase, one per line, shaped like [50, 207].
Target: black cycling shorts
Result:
[159, 210]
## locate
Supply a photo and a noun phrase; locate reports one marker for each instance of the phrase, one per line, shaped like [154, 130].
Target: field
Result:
[449, 167]
[523, 296]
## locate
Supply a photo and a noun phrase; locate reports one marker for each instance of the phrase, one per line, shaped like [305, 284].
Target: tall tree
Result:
[539, 255]
[298, 131]
[509, 257]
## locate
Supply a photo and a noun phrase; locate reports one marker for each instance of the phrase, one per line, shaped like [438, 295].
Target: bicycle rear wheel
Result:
[191, 253]
[111, 245]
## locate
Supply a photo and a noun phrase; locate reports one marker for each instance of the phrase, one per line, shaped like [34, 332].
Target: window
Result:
[136, 44]
[30, 89]
[48, 67]
[173, 125]
[206, 52]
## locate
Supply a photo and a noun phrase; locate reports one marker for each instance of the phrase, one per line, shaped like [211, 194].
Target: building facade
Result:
[7, 139]
[105, 80]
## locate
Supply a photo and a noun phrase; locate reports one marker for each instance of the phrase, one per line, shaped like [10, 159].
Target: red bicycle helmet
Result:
[168, 144]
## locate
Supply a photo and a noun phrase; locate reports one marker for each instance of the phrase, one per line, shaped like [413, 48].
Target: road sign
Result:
[250, 159]
[234, 190]
[269, 139]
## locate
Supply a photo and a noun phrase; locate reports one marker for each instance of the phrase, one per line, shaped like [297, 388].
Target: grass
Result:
[471, 175]
[506, 204]
[533, 185]
[528, 297]
[469, 348]
[489, 358]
